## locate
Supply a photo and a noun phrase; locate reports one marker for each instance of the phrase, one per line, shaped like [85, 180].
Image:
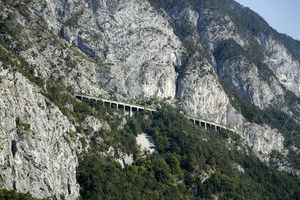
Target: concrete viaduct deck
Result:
[131, 108]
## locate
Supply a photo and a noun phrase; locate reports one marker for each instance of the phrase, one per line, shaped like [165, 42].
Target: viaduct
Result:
[131, 108]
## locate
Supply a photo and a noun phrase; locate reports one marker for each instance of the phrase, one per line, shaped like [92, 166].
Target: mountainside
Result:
[211, 59]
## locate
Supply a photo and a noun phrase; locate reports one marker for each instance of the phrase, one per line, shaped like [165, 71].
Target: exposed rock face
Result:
[91, 123]
[215, 26]
[201, 93]
[239, 168]
[286, 68]
[122, 158]
[145, 142]
[239, 73]
[34, 156]
[248, 82]
[138, 45]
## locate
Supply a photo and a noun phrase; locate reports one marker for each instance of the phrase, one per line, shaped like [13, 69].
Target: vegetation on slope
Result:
[8, 195]
[185, 153]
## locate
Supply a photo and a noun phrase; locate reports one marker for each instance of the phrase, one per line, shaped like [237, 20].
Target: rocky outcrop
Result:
[247, 79]
[34, 156]
[217, 26]
[122, 158]
[145, 143]
[241, 74]
[91, 124]
[135, 47]
[283, 64]
[201, 93]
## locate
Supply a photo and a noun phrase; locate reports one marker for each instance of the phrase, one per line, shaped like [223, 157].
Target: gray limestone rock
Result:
[34, 156]
[283, 64]
[91, 123]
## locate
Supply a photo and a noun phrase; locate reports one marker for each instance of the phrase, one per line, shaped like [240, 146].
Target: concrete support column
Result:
[130, 111]
[216, 128]
[194, 121]
[205, 126]
[109, 104]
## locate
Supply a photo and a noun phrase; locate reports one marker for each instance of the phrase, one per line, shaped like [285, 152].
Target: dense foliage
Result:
[184, 154]
[8, 195]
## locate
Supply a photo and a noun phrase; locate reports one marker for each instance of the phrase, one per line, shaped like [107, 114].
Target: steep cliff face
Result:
[283, 64]
[34, 155]
[215, 28]
[135, 48]
[183, 51]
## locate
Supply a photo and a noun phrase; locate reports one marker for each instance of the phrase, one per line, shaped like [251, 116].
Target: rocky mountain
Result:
[214, 60]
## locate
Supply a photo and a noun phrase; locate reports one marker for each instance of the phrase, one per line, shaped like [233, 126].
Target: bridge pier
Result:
[203, 124]
[121, 106]
[78, 97]
[192, 120]
[133, 110]
[208, 125]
